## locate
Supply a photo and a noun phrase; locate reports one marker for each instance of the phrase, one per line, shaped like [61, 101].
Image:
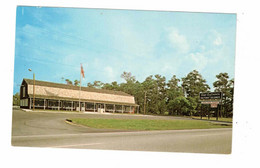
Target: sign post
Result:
[212, 98]
[217, 113]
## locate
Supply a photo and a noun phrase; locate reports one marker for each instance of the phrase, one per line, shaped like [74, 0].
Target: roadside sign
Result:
[212, 98]
[210, 101]
[214, 105]
[210, 95]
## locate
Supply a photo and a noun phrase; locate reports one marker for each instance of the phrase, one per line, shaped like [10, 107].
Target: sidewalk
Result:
[76, 112]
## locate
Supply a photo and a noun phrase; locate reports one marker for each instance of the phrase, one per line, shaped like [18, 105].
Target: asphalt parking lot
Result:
[42, 129]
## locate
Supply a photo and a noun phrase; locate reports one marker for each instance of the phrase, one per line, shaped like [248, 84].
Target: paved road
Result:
[49, 130]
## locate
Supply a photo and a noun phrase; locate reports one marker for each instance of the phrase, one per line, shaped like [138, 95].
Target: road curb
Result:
[214, 121]
[61, 112]
[68, 121]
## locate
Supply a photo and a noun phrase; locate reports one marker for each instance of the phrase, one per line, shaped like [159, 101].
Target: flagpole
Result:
[81, 75]
[80, 89]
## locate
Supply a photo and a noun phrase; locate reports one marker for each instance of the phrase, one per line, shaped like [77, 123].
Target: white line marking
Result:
[66, 146]
[207, 135]
[118, 133]
[51, 135]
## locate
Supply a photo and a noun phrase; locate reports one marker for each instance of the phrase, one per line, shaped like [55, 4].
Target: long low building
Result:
[56, 96]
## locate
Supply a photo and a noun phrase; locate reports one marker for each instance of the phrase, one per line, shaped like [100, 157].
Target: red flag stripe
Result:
[82, 71]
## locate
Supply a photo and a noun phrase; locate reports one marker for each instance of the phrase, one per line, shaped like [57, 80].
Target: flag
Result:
[82, 71]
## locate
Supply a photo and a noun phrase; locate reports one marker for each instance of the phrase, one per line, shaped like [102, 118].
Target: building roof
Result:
[82, 100]
[49, 90]
[66, 86]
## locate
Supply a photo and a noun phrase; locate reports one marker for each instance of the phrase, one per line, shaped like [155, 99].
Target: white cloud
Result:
[178, 40]
[110, 74]
[202, 48]
[200, 60]
[30, 32]
[218, 41]
[215, 38]
[130, 39]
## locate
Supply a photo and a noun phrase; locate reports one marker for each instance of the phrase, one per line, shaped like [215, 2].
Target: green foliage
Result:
[112, 86]
[226, 86]
[96, 84]
[68, 82]
[128, 77]
[192, 106]
[76, 82]
[193, 84]
[155, 90]
[173, 83]
[16, 99]
[155, 95]
[179, 106]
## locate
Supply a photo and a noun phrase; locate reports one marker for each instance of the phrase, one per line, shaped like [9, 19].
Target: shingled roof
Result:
[66, 86]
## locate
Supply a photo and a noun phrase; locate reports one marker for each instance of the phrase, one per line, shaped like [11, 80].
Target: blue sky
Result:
[54, 41]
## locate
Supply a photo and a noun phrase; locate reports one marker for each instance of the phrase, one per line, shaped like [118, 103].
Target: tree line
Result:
[179, 97]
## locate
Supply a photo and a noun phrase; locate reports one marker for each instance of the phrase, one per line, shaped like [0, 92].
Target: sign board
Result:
[210, 95]
[214, 105]
[210, 102]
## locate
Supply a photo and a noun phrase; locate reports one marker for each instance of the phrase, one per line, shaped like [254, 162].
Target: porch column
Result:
[30, 103]
[94, 107]
[58, 105]
[122, 109]
[44, 104]
[114, 108]
[130, 109]
[104, 107]
[71, 105]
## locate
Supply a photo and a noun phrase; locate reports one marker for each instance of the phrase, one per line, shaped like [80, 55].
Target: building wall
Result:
[69, 93]
[24, 90]
[24, 97]
[25, 103]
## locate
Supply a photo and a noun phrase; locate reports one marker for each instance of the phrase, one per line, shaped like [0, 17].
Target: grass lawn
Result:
[214, 118]
[127, 124]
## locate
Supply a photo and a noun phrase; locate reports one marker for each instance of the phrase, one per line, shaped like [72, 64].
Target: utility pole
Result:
[33, 88]
[33, 91]
[144, 100]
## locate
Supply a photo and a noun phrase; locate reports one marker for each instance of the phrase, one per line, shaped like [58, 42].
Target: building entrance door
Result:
[82, 106]
[100, 108]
